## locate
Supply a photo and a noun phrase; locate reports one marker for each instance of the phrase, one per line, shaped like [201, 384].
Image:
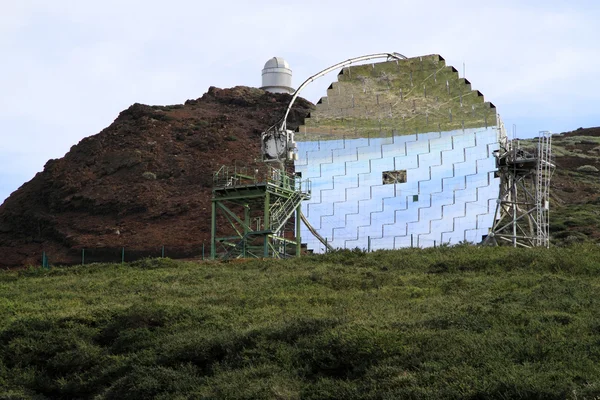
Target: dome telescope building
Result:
[277, 76]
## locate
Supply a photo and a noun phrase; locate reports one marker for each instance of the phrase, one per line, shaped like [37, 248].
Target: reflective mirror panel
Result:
[399, 154]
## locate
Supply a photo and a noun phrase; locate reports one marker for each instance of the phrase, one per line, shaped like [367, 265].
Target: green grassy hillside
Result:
[575, 186]
[462, 322]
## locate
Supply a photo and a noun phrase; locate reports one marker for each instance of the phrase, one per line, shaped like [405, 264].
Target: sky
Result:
[67, 68]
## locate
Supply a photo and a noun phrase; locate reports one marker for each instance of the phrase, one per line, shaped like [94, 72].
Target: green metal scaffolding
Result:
[256, 212]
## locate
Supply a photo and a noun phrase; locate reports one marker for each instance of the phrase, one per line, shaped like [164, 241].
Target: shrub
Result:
[587, 168]
[146, 382]
[162, 116]
[206, 143]
[199, 124]
[151, 176]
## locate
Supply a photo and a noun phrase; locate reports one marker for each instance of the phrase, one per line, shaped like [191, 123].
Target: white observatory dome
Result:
[277, 76]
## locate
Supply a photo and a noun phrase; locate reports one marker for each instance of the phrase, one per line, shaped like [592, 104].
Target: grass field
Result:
[461, 322]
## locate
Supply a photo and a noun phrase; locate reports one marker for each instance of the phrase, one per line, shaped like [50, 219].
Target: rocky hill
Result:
[575, 187]
[143, 182]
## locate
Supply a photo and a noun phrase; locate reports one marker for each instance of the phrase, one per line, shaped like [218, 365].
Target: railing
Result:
[516, 154]
[243, 176]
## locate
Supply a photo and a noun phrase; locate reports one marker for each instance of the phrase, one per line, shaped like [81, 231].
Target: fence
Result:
[122, 255]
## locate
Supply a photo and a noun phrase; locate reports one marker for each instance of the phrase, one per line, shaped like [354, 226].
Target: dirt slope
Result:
[143, 182]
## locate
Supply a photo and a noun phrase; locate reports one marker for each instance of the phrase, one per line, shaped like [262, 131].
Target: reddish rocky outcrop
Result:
[141, 183]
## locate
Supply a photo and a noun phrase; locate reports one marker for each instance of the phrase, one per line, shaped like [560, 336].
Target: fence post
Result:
[122, 255]
[202, 251]
[411, 241]
[44, 259]
[82, 256]
[162, 252]
[326, 247]
[368, 244]
[434, 244]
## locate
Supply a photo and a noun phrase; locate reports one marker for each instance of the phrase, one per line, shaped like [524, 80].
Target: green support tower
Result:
[256, 212]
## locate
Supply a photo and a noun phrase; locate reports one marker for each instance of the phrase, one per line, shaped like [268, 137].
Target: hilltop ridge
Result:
[142, 182]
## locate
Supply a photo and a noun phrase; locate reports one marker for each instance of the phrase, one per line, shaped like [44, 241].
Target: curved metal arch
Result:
[342, 64]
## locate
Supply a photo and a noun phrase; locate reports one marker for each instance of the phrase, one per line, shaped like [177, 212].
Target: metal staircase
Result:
[282, 210]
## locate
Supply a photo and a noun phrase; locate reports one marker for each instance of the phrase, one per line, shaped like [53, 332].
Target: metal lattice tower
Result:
[522, 212]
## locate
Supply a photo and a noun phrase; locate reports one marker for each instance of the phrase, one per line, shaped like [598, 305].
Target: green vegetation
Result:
[572, 146]
[461, 322]
[149, 175]
[575, 223]
[574, 189]
[587, 168]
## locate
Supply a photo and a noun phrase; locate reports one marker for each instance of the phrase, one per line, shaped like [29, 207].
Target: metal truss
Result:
[522, 212]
